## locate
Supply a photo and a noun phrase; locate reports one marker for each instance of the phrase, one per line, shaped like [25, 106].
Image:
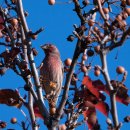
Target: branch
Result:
[100, 10]
[5, 44]
[111, 90]
[40, 102]
[121, 42]
[31, 111]
[68, 80]
[79, 11]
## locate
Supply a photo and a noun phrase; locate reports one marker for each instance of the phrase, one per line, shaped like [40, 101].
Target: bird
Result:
[51, 75]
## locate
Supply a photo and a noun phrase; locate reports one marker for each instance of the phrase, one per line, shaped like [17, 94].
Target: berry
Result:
[7, 39]
[84, 57]
[127, 10]
[96, 29]
[68, 62]
[91, 22]
[97, 48]
[84, 69]
[127, 119]
[3, 124]
[106, 10]
[14, 21]
[97, 72]
[51, 2]
[52, 110]
[90, 52]
[13, 120]
[70, 38]
[120, 70]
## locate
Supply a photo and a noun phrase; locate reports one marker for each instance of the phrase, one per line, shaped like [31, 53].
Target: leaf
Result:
[91, 118]
[10, 97]
[99, 85]
[121, 95]
[89, 84]
[9, 55]
[36, 111]
[1, 27]
[102, 107]
[14, 52]
[1, 20]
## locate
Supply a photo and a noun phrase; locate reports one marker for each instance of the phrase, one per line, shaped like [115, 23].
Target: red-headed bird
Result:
[51, 75]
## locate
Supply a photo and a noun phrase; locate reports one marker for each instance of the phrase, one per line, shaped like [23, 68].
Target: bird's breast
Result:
[51, 74]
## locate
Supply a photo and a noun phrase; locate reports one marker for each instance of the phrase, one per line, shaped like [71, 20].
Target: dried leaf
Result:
[99, 85]
[10, 97]
[10, 55]
[89, 84]
[122, 90]
[36, 111]
[14, 52]
[121, 95]
[102, 107]
[1, 27]
[90, 116]
[1, 20]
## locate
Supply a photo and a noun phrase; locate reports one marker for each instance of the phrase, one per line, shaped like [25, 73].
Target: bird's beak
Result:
[44, 47]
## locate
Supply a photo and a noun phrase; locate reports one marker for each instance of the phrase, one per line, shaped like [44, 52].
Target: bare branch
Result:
[111, 90]
[68, 80]
[40, 102]
[79, 12]
[121, 42]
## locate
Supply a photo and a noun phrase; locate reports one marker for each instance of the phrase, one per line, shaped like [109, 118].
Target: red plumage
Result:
[51, 74]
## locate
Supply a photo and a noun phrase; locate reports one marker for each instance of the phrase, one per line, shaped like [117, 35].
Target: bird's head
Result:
[50, 49]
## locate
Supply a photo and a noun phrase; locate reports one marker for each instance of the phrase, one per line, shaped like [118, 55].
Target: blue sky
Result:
[58, 23]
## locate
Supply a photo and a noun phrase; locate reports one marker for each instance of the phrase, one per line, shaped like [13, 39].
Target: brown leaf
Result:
[9, 97]
[9, 55]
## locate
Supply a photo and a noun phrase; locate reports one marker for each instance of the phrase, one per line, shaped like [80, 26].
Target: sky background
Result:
[58, 23]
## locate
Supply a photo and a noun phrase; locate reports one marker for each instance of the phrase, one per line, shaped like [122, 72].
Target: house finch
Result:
[51, 75]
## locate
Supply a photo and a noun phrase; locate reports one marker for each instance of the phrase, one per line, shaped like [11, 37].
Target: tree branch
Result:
[68, 80]
[121, 42]
[111, 90]
[40, 102]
